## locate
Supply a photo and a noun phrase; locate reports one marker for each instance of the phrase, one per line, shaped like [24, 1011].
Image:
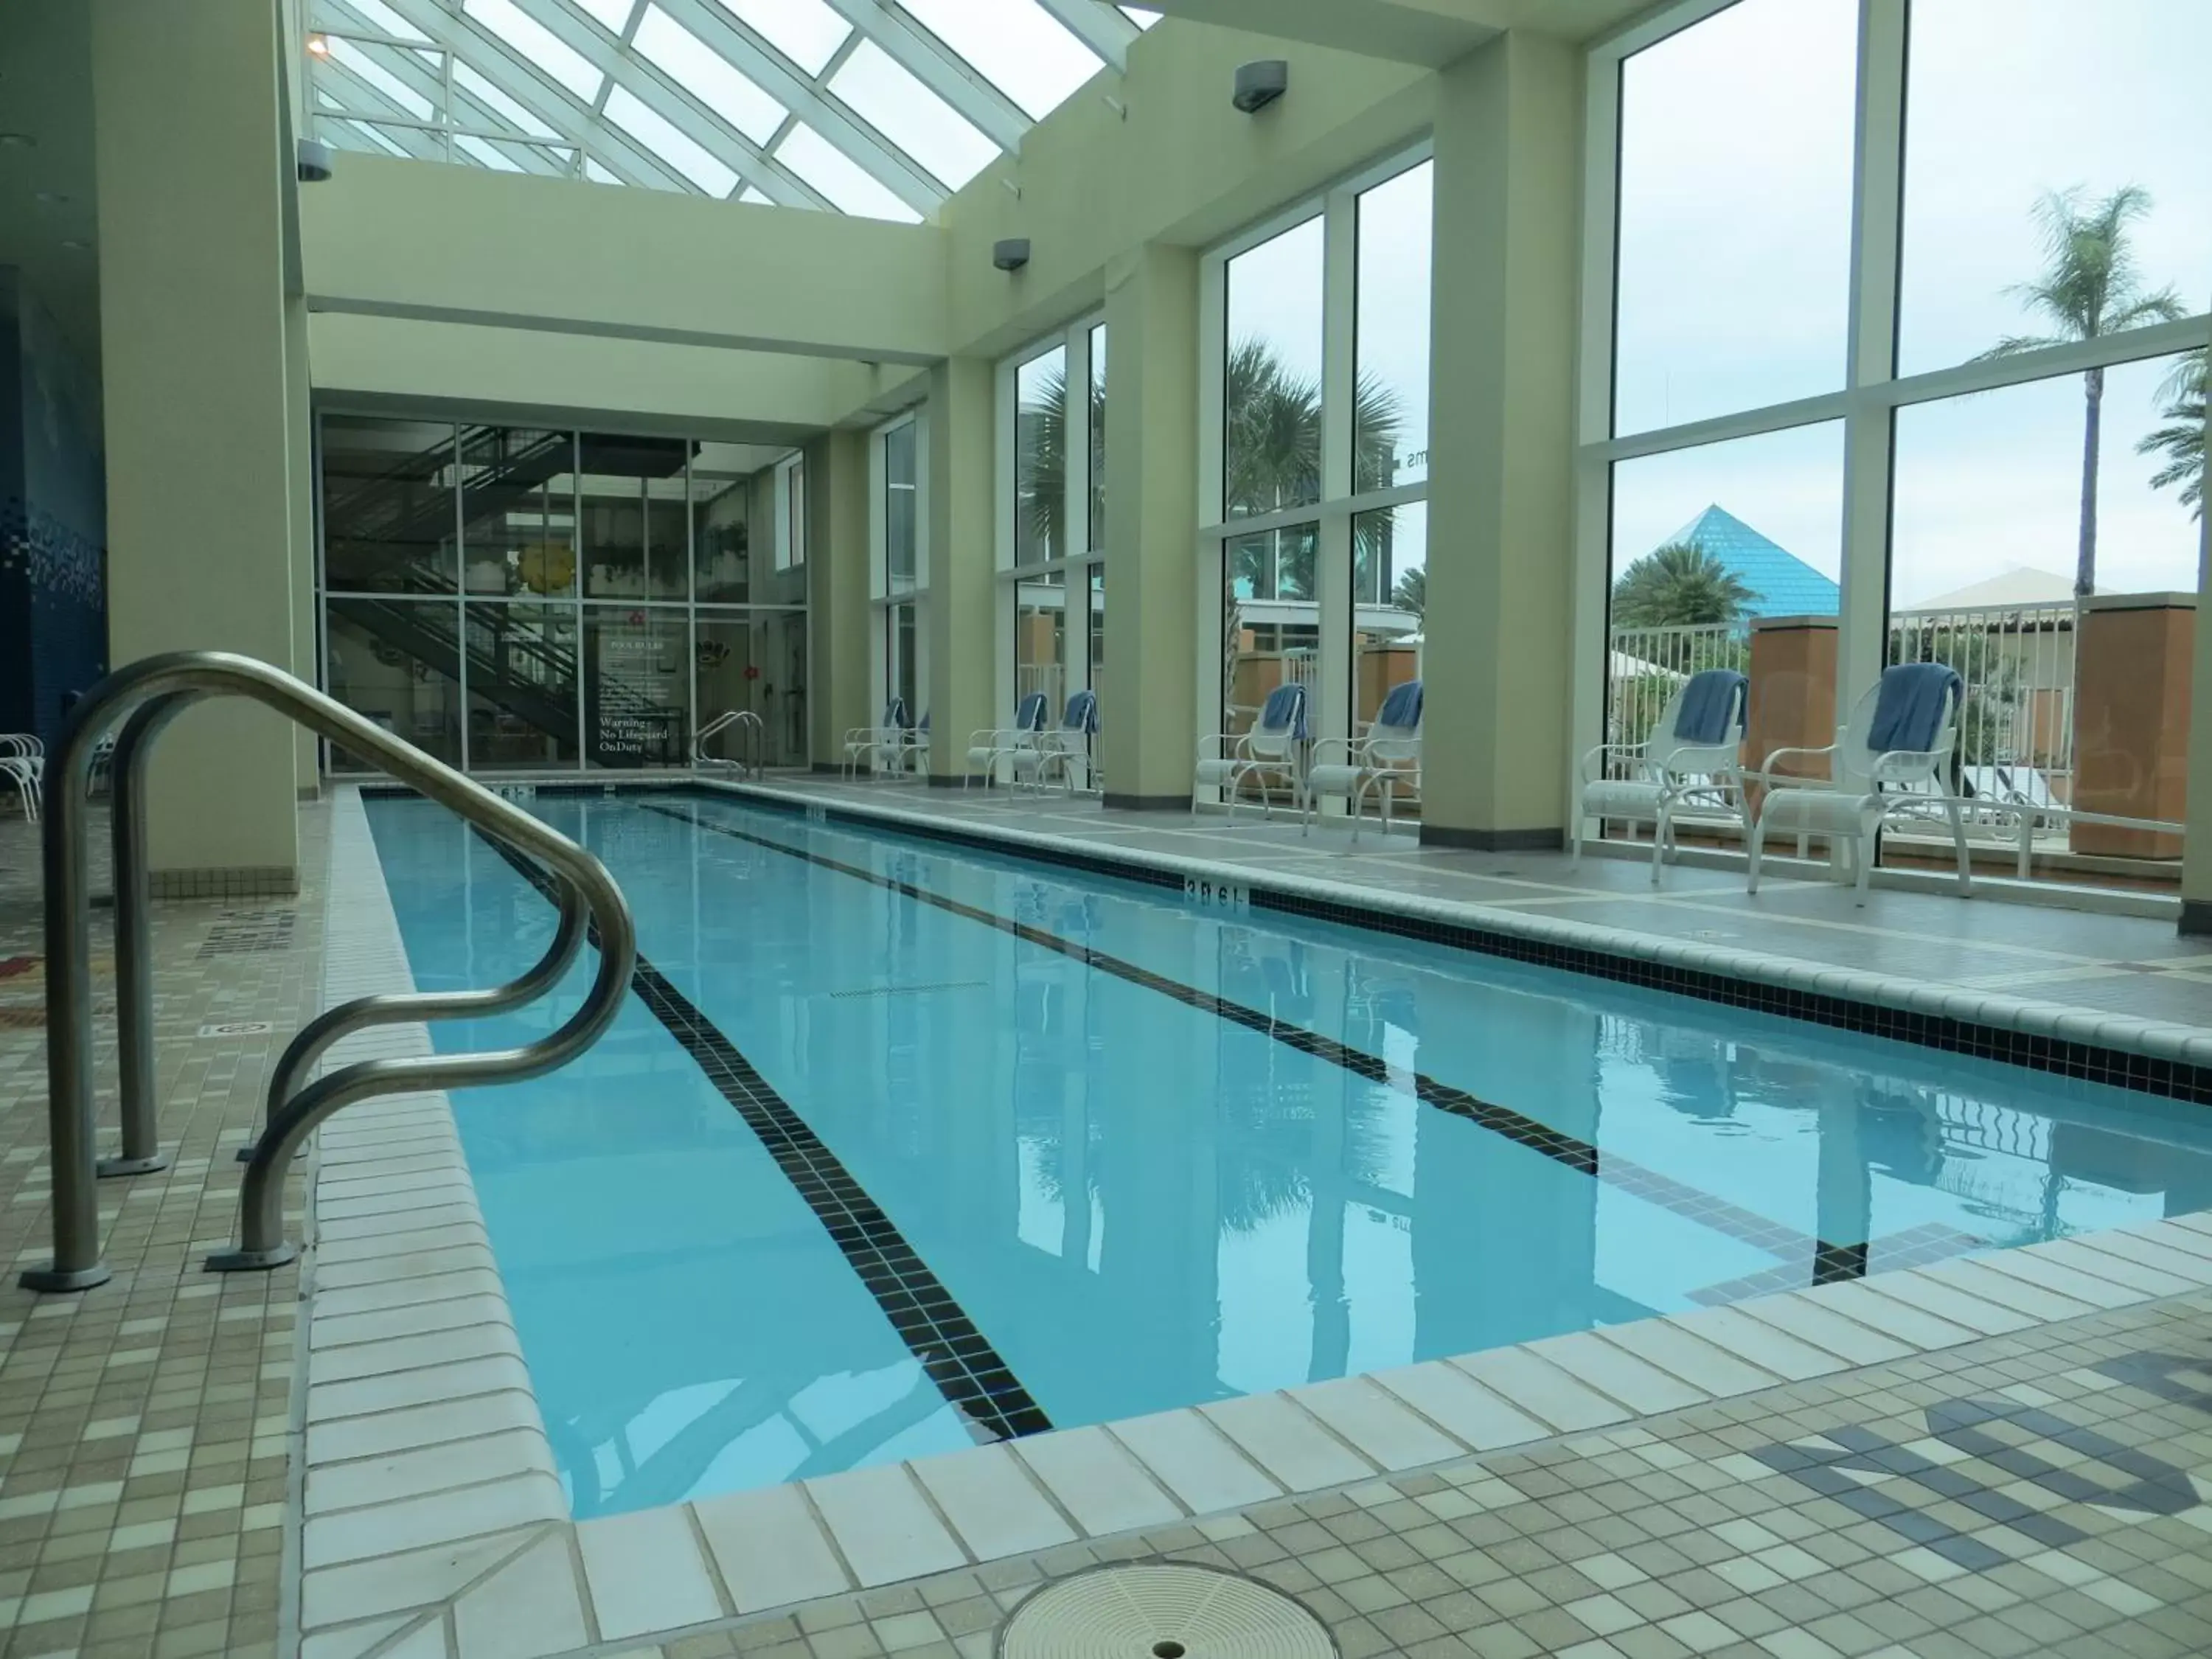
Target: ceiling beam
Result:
[1430, 32]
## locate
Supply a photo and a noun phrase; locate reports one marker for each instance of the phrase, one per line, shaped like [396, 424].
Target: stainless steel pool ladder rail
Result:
[153, 692]
[747, 722]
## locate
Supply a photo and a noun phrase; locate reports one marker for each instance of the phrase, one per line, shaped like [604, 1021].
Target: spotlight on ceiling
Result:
[1260, 83]
[1011, 254]
[316, 159]
[318, 46]
[17, 141]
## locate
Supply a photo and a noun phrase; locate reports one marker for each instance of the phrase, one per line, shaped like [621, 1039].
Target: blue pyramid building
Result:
[1783, 584]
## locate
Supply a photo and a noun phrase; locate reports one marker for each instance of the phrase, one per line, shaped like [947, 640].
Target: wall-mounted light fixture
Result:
[1011, 254]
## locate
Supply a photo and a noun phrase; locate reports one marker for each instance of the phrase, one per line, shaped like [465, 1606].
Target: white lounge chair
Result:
[23, 762]
[993, 744]
[1387, 756]
[1695, 751]
[865, 744]
[1270, 753]
[1890, 760]
[1061, 747]
[913, 752]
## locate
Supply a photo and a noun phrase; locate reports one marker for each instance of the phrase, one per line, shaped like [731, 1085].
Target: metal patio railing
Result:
[146, 696]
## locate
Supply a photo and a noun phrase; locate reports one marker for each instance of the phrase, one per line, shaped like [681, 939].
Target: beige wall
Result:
[458, 244]
[191, 178]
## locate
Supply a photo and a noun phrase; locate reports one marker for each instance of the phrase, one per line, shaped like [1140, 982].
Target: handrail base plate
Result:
[250, 1261]
[48, 1280]
[108, 1166]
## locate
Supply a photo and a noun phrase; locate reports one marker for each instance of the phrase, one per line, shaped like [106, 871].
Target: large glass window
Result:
[1041, 643]
[1734, 250]
[1390, 400]
[1271, 626]
[902, 508]
[575, 638]
[1098, 423]
[1271, 382]
[1389, 595]
[2018, 425]
[2055, 184]
[1041, 458]
[388, 506]
[902, 571]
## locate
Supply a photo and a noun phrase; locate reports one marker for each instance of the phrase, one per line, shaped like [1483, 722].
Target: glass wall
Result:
[1052, 550]
[606, 594]
[2012, 411]
[898, 535]
[1322, 404]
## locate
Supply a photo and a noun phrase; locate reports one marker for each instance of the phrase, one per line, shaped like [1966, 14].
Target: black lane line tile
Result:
[1795, 1248]
[970, 1374]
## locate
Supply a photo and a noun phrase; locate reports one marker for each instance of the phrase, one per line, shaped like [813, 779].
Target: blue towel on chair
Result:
[1709, 709]
[1908, 710]
[1030, 712]
[1402, 707]
[1285, 707]
[1082, 714]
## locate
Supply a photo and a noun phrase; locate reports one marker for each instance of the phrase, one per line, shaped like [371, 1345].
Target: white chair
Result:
[1062, 747]
[865, 744]
[914, 753]
[1913, 714]
[993, 744]
[1694, 752]
[1387, 756]
[23, 762]
[1268, 755]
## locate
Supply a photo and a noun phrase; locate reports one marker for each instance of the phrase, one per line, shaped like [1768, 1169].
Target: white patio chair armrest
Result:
[1907, 765]
[1352, 747]
[1632, 751]
[1219, 742]
[1765, 775]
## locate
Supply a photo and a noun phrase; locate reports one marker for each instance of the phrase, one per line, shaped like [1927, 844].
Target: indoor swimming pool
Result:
[899, 1145]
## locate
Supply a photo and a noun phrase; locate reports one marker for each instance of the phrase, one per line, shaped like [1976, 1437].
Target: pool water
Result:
[898, 1146]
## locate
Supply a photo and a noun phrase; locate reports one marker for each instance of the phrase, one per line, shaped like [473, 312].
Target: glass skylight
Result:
[661, 135]
[911, 116]
[537, 45]
[879, 107]
[708, 76]
[807, 32]
[1015, 45]
[839, 177]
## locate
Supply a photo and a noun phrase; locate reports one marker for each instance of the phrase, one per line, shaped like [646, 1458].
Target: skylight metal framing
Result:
[587, 129]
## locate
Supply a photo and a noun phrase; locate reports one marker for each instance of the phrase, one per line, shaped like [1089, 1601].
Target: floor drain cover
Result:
[1162, 1610]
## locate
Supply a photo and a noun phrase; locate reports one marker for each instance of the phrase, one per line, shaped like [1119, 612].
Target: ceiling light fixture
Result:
[318, 46]
[17, 141]
[49, 197]
[75, 245]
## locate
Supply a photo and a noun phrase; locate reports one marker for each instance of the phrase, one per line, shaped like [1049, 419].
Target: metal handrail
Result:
[152, 692]
[746, 721]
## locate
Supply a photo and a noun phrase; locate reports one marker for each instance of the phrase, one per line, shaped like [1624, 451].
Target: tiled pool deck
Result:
[1983, 1458]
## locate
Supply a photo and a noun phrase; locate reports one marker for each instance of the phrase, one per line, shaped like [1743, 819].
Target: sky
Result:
[1736, 148]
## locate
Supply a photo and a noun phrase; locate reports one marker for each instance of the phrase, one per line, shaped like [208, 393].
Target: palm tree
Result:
[1412, 592]
[2089, 287]
[1678, 586]
[2182, 441]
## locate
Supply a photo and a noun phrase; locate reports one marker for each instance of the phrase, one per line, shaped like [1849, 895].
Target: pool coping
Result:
[432, 1522]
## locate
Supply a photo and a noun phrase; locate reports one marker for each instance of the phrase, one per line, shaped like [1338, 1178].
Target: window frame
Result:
[1340, 505]
[1867, 403]
[884, 601]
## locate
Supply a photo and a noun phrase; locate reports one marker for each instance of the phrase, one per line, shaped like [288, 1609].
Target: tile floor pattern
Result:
[2102, 963]
[2036, 1493]
[144, 1424]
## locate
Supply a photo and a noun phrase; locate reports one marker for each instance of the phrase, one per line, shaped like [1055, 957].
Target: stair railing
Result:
[151, 693]
[751, 731]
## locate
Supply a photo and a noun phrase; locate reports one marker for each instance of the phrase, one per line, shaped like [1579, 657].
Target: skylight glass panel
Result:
[385, 21]
[708, 76]
[807, 32]
[910, 115]
[1015, 45]
[1143, 18]
[388, 146]
[358, 62]
[752, 195]
[489, 153]
[614, 14]
[660, 136]
[566, 66]
[472, 82]
[598, 175]
[839, 178]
